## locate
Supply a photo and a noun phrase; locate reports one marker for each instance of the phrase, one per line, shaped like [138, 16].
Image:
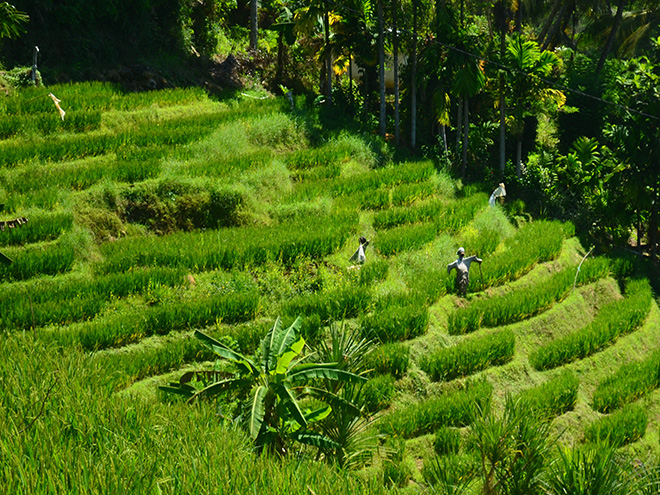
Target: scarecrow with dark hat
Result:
[462, 265]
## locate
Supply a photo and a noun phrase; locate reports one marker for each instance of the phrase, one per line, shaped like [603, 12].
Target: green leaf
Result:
[257, 410]
[318, 414]
[328, 371]
[218, 387]
[314, 439]
[284, 361]
[334, 400]
[267, 345]
[282, 341]
[285, 393]
[176, 390]
[223, 351]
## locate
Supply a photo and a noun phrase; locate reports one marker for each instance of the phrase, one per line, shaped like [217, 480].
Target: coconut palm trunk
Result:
[381, 66]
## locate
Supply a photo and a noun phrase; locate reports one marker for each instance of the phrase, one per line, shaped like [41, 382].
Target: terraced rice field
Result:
[157, 214]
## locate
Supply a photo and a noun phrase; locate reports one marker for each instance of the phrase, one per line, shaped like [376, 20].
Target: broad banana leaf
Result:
[257, 410]
[329, 371]
[225, 352]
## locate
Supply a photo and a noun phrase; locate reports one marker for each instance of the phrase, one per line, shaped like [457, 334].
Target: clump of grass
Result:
[377, 393]
[38, 259]
[391, 359]
[344, 302]
[404, 238]
[447, 441]
[125, 328]
[374, 271]
[615, 319]
[456, 408]
[41, 226]
[469, 356]
[525, 302]
[230, 248]
[554, 397]
[396, 323]
[627, 384]
[619, 428]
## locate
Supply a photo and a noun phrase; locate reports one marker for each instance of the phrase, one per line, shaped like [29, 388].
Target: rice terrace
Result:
[247, 291]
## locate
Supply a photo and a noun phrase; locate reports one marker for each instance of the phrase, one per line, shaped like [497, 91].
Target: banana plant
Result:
[271, 387]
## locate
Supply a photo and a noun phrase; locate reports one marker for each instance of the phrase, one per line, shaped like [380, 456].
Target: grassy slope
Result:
[100, 440]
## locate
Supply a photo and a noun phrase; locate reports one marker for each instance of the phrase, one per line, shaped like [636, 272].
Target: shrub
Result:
[614, 320]
[620, 428]
[456, 408]
[554, 397]
[390, 358]
[627, 384]
[447, 441]
[396, 323]
[470, 355]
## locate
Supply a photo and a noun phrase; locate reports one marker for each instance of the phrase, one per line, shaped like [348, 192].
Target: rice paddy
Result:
[153, 215]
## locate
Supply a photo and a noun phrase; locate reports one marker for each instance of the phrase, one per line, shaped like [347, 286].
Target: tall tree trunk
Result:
[519, 156]
[610, 39]
[350, 78]
[328, 55]
[548, 22]
[555, 27]
[502, 91]
[459, 128]
[279, 73]
[381, 64]
[397, 135]
[254, 27]
[466, 135]
[443, 134]
[413, 87]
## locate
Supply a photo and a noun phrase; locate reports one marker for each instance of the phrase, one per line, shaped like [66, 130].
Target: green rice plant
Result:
[396, 323]
[64, 300]
[450, 215]
[525, 302]
[407, 194]
[404, 238]
[447, 441]
[344, 302]
[470, 356]
[377, 393]
[457, 408]
[125, 328]
[374, 271]
[42, 226]
[38, 259]
[554, 397]
[391, 358]
[630, 382]
[614, 320]
[619, 428]
[230, 248]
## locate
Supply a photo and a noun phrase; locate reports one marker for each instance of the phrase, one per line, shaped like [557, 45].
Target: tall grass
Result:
[65, 430]
[396, 323]
[70, 298]
[470, 356]
[524, 302]
[41, 226]
[630, 382]
[456, 408]
[619, 428]
[554, 397]
[38, 259]
[614, 320]
[128, 327]
[230, 248]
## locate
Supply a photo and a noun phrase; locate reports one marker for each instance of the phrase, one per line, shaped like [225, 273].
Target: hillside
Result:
[151, 215]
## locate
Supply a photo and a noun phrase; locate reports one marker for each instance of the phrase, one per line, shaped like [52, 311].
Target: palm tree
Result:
[528, 91]
[11, 21]
[270, 389]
